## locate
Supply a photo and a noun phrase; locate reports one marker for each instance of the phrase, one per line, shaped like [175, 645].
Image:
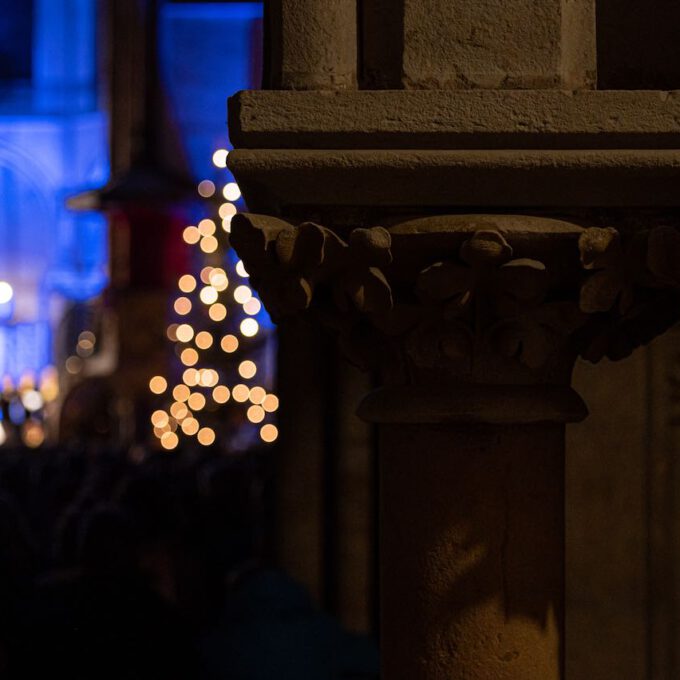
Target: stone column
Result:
[475, 356]
[472, 319]
[474, 323]
[472, 541]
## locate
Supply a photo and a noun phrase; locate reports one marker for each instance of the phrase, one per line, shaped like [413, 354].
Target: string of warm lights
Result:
[23, 404]
[207, 354]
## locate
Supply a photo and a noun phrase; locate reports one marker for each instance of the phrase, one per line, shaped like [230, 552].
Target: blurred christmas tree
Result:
[220, 387]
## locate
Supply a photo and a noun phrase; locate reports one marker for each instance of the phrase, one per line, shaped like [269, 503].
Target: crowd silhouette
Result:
[148, 565]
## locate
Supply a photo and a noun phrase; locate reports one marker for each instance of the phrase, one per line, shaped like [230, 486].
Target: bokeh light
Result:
[219, 158]
[206, 188]
[158, 384]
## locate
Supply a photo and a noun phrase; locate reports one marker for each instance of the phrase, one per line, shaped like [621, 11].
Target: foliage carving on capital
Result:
[483, 299]
[479, 300]
[290, 266]
[631, 290]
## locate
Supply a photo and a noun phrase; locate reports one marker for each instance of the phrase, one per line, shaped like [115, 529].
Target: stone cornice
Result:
[273, 180]
[456, 119]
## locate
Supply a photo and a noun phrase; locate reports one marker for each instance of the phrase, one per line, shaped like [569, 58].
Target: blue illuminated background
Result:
[209, 51]
[54, 144]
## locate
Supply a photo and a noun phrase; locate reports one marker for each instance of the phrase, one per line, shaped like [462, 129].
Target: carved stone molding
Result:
[631, 292]
[511, 291]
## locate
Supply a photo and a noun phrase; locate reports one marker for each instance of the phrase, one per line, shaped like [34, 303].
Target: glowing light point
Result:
[206, 188]
[240, 393]
[85, 347]
[218, 279]
[190, 377]
[169, 441]
[249, 327]
[209, 244]
[208, 295]
[196, 401]
[179, 411]
[231, 191]
[217, 312]
[204, 340]
[32, 400]
[252, 307]
[257, 395]
[6, 292]
[269, 433]
[229, 343]
[242, 294]
[219, 158]
[270, 403]
[221, 394]
[227, 210]
[182, 306]
[209, 377]
[187, 283]
[74, 365]
[189, 356]
[256, 414]
[184, 332]
[207, 227]
[241, 269]
[33, 434]
[190, 426]
[247, 369]
[158, 384]
[206, 436]
[191, 235]
[181, 393]
[159, 419]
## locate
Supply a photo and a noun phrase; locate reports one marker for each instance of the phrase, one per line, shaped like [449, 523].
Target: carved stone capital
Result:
[631, 288]
[485, 298]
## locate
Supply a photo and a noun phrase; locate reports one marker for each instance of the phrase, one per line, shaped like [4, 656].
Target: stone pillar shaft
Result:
[472, 552]
[475, 354]
[472, 320]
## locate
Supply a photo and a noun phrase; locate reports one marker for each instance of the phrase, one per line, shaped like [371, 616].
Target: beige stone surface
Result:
[607, 524]
[495, 112]
[313, 44]
[473, 546]
[502, 44]
[456, 119]
[623, 519]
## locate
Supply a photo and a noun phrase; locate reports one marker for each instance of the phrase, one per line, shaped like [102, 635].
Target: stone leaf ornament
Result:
[631, 290]
[289, 266]
[484, 297]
